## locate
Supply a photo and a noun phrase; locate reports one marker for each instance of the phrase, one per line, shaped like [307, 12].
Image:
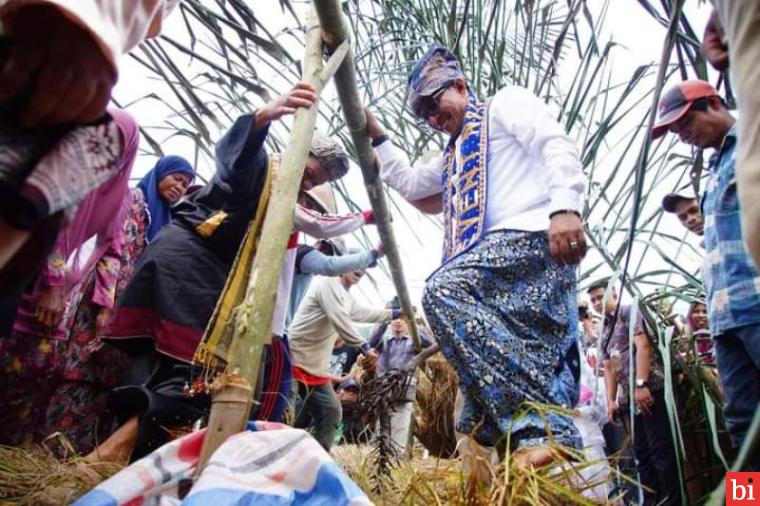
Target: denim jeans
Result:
[318, 406]
[738, 353]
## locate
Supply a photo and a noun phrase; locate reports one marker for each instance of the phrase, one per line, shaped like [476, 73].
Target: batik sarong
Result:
[504, 314]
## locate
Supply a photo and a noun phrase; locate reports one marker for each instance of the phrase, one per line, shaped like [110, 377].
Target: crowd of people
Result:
[107, 291]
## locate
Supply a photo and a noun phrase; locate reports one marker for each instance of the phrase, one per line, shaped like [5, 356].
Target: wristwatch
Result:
[640, 383]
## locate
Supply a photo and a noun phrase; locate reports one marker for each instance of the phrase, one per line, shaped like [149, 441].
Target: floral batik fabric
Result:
[504, 314]
[79, 405]
[59, 382]
[43, 172]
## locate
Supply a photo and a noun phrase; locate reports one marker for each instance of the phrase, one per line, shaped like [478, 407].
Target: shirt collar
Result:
[728, 142]
[402, 336]
[729, 139]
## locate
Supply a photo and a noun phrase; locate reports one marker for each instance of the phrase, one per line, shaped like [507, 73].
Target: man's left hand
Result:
[567, 242]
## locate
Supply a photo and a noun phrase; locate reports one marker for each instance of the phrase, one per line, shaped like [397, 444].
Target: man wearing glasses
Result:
[503, 304]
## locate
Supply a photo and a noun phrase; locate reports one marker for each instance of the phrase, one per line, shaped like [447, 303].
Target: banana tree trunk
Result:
[334, 26]
[231, 403]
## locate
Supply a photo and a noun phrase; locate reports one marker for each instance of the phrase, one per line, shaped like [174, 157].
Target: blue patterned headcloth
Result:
[437, 69]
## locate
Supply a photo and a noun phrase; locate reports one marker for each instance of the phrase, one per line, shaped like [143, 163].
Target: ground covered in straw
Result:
[34, 476]
[430, 480]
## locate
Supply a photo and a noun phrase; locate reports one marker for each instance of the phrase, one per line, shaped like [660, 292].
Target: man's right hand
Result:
[369, 360]
[374, 128]
[301, 95]
[380, 249]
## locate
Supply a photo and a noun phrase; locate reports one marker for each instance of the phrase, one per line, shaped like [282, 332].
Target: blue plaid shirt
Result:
[731, 279]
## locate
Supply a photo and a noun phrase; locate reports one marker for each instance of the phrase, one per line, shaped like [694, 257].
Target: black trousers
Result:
[655, 454]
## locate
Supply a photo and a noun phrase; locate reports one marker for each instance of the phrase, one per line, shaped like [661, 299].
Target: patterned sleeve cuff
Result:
[365, 347]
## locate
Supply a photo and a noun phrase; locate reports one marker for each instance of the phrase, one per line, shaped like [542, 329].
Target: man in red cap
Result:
[694, 111]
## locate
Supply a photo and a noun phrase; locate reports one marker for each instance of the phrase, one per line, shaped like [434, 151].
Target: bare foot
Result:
[535, 456]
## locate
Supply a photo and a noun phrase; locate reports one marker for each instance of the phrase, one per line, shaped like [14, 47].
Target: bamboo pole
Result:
[231, 404]
[333, 25]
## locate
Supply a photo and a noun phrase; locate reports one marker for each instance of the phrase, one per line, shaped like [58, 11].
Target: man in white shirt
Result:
[327, 311]
[503, 304]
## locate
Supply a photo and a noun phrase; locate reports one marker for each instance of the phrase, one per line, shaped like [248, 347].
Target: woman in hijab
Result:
[79, 405]
[33, 356]
[162, 187]
[700, 332]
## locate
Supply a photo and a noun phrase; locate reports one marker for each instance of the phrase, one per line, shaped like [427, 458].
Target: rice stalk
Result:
[35, 476]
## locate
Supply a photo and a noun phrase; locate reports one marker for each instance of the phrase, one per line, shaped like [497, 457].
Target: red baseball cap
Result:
[677, 101]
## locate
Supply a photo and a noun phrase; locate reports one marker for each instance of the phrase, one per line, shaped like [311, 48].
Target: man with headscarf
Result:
[162, 314]
[502, 305]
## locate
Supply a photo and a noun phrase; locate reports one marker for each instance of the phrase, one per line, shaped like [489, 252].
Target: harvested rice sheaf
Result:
[34, 476]
[428, 480]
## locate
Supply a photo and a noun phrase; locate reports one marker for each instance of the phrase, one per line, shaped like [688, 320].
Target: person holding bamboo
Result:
[503, 304]
[161, 316]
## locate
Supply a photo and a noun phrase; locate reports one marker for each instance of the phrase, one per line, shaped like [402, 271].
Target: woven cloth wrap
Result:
[330, 155]
[437, 69]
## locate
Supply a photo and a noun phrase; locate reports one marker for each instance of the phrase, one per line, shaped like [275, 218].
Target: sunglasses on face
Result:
[429, 106]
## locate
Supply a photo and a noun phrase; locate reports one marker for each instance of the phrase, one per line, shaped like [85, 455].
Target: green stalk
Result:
[231, 404]
[334, 25]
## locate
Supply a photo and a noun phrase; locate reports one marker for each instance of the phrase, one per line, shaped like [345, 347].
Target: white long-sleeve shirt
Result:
[328, 310]
[533, 166]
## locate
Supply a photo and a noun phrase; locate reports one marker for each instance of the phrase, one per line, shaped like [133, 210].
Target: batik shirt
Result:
[618, 352]
[731, 279]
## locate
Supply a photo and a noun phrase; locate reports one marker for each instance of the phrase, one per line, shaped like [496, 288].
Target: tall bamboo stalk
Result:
[334, 26]
[231, 403]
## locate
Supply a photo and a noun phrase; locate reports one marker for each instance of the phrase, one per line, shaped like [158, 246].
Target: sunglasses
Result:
[429, 106]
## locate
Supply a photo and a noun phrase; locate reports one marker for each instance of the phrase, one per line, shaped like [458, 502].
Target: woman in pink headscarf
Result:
[33, 357]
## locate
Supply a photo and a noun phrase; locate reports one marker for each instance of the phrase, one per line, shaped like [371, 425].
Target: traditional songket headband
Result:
[434, 71]
[464, 176]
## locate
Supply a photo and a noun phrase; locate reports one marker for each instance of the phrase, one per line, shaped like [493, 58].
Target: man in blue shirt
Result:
[694, 111]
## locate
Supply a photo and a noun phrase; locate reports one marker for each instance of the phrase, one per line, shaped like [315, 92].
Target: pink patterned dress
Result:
[60, 383]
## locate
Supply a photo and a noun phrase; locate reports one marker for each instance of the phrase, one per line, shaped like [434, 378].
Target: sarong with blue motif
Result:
[504, 313]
